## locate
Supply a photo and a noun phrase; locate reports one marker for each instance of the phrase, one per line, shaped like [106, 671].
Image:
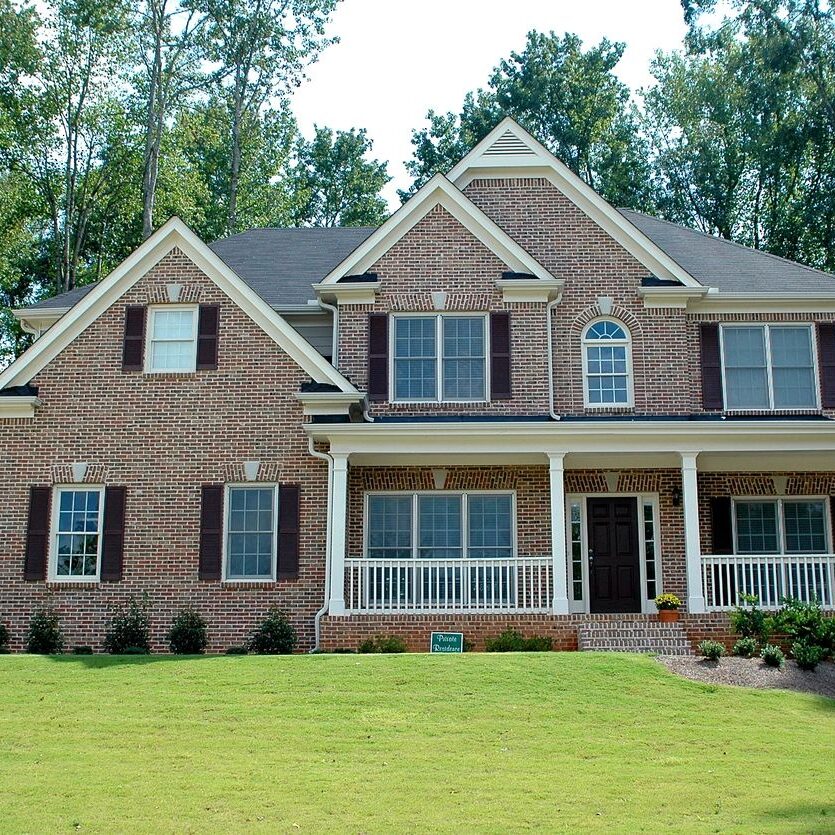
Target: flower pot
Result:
[668, 615]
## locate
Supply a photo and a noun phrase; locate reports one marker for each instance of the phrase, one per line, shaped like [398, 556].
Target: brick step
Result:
[633, 636]
[605, 625]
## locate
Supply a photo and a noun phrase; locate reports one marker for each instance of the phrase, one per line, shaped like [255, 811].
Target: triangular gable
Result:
[174, 233]
[439, 191]
[510, 151]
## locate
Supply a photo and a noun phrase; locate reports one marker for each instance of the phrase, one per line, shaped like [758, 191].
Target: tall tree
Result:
[263, 48]
[569, 98]
[334, 183]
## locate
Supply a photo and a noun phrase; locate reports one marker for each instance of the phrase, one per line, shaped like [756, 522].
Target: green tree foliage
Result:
[334, 183]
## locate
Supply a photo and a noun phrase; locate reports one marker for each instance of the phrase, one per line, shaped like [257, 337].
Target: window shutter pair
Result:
[712, 365]
[211, 532]
[133, 345]
[378, 356]
[112, 534]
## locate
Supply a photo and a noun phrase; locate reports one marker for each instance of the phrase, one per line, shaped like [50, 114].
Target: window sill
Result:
[72, 584]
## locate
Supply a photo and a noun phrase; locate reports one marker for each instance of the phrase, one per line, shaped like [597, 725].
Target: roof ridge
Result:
[736, 244]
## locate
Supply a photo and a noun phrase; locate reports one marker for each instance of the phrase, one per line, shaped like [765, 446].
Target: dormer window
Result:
[606, 364]
[172, 344]
[439, 358]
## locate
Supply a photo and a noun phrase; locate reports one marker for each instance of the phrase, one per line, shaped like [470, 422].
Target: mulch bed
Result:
[753, 672]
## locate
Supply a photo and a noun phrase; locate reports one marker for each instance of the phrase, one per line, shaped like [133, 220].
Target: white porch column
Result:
[339, 512]
[559, 566]
[692, 540]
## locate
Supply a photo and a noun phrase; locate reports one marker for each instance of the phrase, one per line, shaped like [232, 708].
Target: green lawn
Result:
[409, 743]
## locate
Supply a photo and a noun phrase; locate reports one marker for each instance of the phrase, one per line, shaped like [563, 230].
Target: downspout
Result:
[548, 309]
[316, 621]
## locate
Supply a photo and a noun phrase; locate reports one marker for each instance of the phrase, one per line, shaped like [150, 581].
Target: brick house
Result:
[510, 405]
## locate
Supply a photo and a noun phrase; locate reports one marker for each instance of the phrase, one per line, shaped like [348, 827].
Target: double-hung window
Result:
[440, 358]
[440, 526]
[251, 517]
[606, 363]
[781, 526]
[769, 367]
[172, 347]
[77, 528]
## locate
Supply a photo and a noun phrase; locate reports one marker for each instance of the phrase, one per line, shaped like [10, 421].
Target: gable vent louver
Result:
[508, 144]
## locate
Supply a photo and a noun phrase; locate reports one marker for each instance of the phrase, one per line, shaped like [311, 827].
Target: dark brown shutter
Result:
[113, 534]
[211, 531]
[133, 347]
[378, 356]
[207, 331]
[500, 356]
[826, 361]
[722, 535]
[711, 367]
[288, 531]
[37, 533]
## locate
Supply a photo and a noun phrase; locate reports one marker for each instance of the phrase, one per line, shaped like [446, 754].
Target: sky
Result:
[398, 58]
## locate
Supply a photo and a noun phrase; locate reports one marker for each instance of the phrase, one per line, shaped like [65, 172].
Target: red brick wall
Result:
[163, 436]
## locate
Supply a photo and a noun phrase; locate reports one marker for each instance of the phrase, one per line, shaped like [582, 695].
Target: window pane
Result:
[490, 527]
[463, 358]
[746, 377]
[172, 356]
[792, 368]
[805, 524]
[173, 324]
[415, 358]
[77, 537]
[439, 527]
[756, 528]
[390, 527]
[605, 330]
[250, 534]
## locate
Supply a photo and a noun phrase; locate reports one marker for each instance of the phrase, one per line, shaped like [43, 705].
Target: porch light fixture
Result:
[676, 496]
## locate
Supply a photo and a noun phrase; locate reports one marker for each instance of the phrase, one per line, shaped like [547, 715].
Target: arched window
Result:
[606, 364]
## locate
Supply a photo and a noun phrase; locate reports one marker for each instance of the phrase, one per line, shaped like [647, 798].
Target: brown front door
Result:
[614, 569]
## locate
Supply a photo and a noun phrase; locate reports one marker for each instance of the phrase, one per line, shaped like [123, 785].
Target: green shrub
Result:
[236, 651]
[129, 631]
[805, 622]
[712, 650]
[45, 636]
[388, 644]
[772, 655]
[807, 656]
[512, 641]
[82, 650]
[188, 634]
[4, 638]
[745, 648]
[749, 621]
[273, 636]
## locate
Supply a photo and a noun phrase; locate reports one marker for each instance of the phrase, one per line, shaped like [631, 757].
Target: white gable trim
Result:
[499, 156]
[437, 192]
[173, 234]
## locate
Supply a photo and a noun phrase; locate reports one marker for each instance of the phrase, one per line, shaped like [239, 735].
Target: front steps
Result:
[636, 635]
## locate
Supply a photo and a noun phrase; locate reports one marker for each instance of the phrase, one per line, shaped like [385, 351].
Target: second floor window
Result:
[769, 367]
[606, 364]
[172, 346]
[440, 358]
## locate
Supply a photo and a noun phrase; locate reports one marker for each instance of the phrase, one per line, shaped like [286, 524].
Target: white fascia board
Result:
[587, 437]
[677, 297]
[18, 407]
[439, 191]
[328, 403]
[762, 303]
[172, 234]
[530, 290]
[543, 163]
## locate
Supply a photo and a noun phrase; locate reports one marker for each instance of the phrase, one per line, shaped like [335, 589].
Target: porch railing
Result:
[453, 585]
[770, 577]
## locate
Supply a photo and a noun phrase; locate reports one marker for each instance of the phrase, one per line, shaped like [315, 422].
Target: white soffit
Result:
[510, 151]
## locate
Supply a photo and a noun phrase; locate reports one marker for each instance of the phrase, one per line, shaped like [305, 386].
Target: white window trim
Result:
[585, 343]
[149, 341]
[53, 575]
[465, 533]
[647, 605]
[227, 509]
[766, 327]
[781, 526]
[439, 358]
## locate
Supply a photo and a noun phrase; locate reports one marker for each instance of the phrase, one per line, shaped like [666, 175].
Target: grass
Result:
[412, 743]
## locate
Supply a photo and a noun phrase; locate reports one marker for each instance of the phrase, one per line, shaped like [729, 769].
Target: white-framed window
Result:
[440, 525]
[77, 519]
[439, 357]
[781, 526]
[250, 542]
[172, 339]
[607, 364]
[769, 367]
